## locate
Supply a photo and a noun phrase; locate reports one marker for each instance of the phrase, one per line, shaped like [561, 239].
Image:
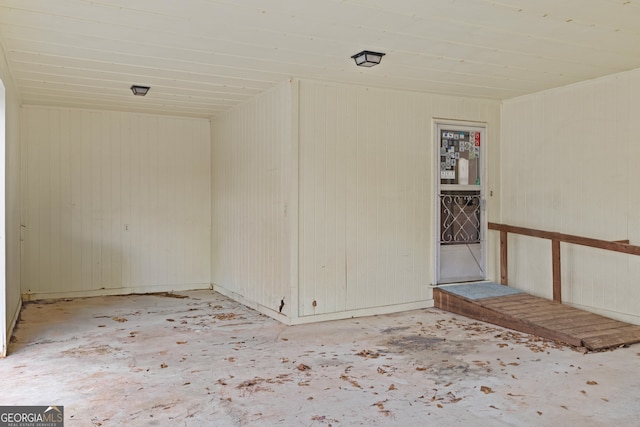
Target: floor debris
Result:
[219, 363]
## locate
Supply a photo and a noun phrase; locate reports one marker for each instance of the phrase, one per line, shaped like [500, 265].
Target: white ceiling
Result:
[201, 57]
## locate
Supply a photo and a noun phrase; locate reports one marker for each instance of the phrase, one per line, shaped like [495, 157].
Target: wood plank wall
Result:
[113, 202]
[11, 233]
[367, 193]
[252, 201]
[569, 164]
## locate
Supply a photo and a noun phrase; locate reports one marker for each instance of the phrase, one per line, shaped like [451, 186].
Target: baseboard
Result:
[372, 311]
[281, 317]
[34, 296]
[347, 314]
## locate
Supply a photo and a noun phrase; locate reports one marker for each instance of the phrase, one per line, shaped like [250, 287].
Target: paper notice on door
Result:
[448, 174]
[463, 169]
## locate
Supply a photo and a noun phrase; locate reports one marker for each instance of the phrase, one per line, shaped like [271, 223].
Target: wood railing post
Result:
[557, 276]
[504, 266]
[620, 246]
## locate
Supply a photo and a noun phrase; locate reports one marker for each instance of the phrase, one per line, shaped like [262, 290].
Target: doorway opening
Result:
[460, 203]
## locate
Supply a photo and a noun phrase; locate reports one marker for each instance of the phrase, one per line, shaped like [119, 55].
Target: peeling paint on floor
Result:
[200, 359]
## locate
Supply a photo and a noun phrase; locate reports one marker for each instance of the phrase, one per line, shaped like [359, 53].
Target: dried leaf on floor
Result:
[168, 295]
[181, 342]
[486, 390]
[351, 381]
[119, 319]
[379, 405]
[254, 385]
[592, 383]
[225, 316]
[280, 379]
[452, 398]
[249, 383]
[392, 387]
[303, 367]
[368, 354]
[164, 365]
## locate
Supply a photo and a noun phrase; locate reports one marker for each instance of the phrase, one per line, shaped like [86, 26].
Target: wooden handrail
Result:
[622, 246]
[616, 246]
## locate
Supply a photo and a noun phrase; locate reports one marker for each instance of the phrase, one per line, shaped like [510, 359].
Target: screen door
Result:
[460, 204]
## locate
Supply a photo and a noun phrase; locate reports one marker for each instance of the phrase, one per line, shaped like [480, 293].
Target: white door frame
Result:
[437, 124]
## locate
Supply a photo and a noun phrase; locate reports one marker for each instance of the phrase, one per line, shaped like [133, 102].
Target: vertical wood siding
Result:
[569, 164]
[10, 285]
[366, 189]
[251, 200]
[114, 201]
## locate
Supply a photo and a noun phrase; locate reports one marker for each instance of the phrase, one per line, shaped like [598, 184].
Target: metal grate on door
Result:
[460, 217]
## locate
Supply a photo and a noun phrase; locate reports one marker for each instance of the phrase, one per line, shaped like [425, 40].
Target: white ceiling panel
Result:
[202, 57]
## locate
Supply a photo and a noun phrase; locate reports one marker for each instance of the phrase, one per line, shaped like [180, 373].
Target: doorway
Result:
[460, 203]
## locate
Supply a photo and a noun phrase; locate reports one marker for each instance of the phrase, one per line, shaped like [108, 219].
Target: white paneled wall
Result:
[569, 164]
[10, 301]
[324, 194]
[366, 194]
[113, 202]
[253, 211]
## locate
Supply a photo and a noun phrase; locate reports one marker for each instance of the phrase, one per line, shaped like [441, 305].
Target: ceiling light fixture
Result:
[366, 58]
[140, 90]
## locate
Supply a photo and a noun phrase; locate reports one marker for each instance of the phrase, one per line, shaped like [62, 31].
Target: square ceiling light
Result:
[140, 90]
[367, 58]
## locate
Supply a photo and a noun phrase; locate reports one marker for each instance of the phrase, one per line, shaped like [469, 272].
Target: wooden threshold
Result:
[542, 317]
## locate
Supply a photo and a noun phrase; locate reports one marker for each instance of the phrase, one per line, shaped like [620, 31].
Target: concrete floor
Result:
[204, 360]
